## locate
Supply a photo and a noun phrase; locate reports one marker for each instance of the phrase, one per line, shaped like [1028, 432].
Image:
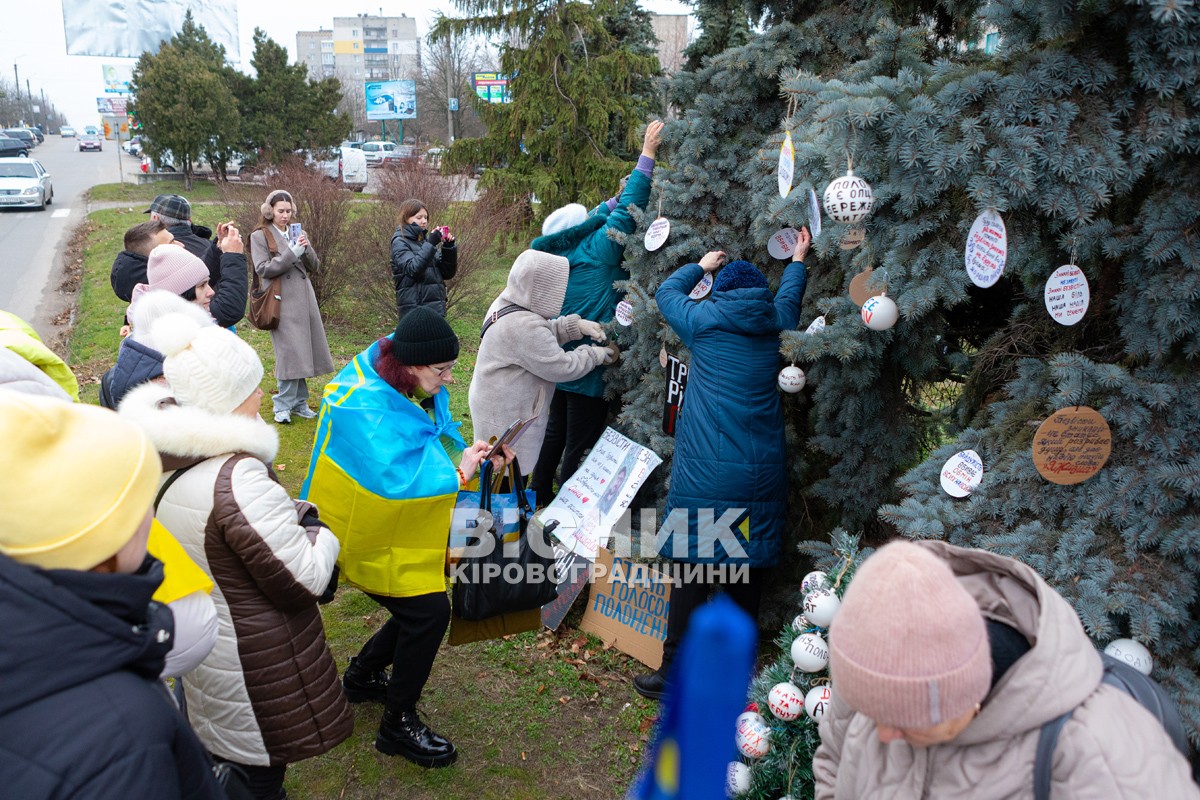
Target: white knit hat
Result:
[207, 367]
[560, 219]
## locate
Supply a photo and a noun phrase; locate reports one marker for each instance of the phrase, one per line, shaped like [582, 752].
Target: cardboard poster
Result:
[987, 249]
[1067, 295]
[677, 372]
[1072, 445]
[627, 608]
[787, 165]
[573, 572]
[962, 473]
[596, 496]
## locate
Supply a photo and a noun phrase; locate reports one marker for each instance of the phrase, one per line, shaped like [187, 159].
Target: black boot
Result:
[403, 733]
[652, 686]
[364, 687]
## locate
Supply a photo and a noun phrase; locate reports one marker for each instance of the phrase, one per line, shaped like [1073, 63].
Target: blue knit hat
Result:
[739, 275]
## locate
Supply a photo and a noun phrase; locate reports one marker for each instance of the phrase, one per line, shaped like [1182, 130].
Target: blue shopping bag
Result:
[480, 509]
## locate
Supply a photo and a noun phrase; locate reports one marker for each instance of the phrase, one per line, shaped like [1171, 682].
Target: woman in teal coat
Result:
[730, 458]
[578, 410]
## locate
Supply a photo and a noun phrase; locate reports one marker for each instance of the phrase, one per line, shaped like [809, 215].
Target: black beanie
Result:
[422, 338]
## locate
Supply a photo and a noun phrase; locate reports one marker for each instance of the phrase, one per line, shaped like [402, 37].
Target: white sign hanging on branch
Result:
[624, 313]
[987, 249]
[787, 165]
[1067, 294]
[657, 233]
[783, 243]
[702, 289]
[816, 326]
[814, 214]
[962, 473]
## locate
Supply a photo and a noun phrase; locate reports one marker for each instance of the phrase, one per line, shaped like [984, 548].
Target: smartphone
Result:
[294, 231]
[445, 229]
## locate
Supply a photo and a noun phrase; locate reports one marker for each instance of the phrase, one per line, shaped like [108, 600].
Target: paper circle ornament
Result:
[1132, 653]
[820, 606]
[1072, 445]
[816, 702]
[753, 737]
[848, 198]
[662, 357]
[852, 237]
[813, 581]
[880, 313]
[1067, 295]
[703, 288]
[987, 249]
[810, 653]
[786, 701]
[657, 233]
[816, 326]
[624, 313]
[791, 379]
[783, 243]
[737, 779]
[866, 285]
[787, 165]
[962, 473]
[814, 214]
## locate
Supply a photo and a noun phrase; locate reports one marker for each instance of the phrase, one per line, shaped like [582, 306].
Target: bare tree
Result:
[447, 69]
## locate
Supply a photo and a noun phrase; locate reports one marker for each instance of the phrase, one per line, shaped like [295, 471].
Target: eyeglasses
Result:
[443, 372]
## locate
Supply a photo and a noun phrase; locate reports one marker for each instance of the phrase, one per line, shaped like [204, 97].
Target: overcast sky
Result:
[31, 37]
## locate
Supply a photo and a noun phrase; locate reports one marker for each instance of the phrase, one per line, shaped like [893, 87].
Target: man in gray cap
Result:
[228, 307]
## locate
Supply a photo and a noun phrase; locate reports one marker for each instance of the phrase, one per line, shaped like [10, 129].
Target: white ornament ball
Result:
[810, 653]
[813, 581]
[786, 701]
[820, 606]
[800, 623]
[816, 702]
[848, 198]
[753, 737]
[791, 379]
[1132, 653]
[880, 313]
[737, 779]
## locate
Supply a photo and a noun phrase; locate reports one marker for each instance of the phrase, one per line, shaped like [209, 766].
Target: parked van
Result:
[354, 169]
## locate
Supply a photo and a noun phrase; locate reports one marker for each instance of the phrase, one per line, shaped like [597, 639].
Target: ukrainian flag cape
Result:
[383, 481]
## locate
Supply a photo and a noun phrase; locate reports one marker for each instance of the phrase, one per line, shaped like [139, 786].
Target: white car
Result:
[378, 152]
[24, 182]
[350, 166]
[66, 131]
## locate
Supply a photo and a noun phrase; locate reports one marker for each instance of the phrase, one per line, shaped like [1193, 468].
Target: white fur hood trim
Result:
[191, 432]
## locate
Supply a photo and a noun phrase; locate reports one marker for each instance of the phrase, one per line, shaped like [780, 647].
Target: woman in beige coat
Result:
[945, 663]
[300, 348]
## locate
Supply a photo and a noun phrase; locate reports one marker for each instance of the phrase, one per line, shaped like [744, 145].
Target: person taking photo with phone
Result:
[423, 259]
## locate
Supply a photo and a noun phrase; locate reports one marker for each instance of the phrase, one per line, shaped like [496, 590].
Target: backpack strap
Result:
[1043, 761]
[162, 490]
[495, 315]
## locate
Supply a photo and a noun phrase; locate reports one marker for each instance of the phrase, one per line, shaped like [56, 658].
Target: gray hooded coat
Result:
[521, 357]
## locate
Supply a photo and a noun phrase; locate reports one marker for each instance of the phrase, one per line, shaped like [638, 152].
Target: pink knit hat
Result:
[173, 269]
[909, 646]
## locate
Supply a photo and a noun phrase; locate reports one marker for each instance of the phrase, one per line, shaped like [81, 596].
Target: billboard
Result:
[492, 87]
[116, 78]
[391, 100]
[112, 105]
[128, 29]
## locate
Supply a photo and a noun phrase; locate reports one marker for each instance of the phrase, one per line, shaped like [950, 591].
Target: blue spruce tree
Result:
[1082, 130]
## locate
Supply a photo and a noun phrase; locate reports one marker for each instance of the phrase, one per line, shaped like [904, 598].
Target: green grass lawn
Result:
[536, 715]
[201, 191]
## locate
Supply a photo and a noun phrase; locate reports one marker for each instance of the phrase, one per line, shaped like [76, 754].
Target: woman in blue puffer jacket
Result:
[728, 498]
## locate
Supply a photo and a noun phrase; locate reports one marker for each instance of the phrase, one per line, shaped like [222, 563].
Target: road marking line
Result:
[60, 212]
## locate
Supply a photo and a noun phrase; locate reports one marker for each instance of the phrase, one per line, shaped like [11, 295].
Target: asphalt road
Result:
[32, 242]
